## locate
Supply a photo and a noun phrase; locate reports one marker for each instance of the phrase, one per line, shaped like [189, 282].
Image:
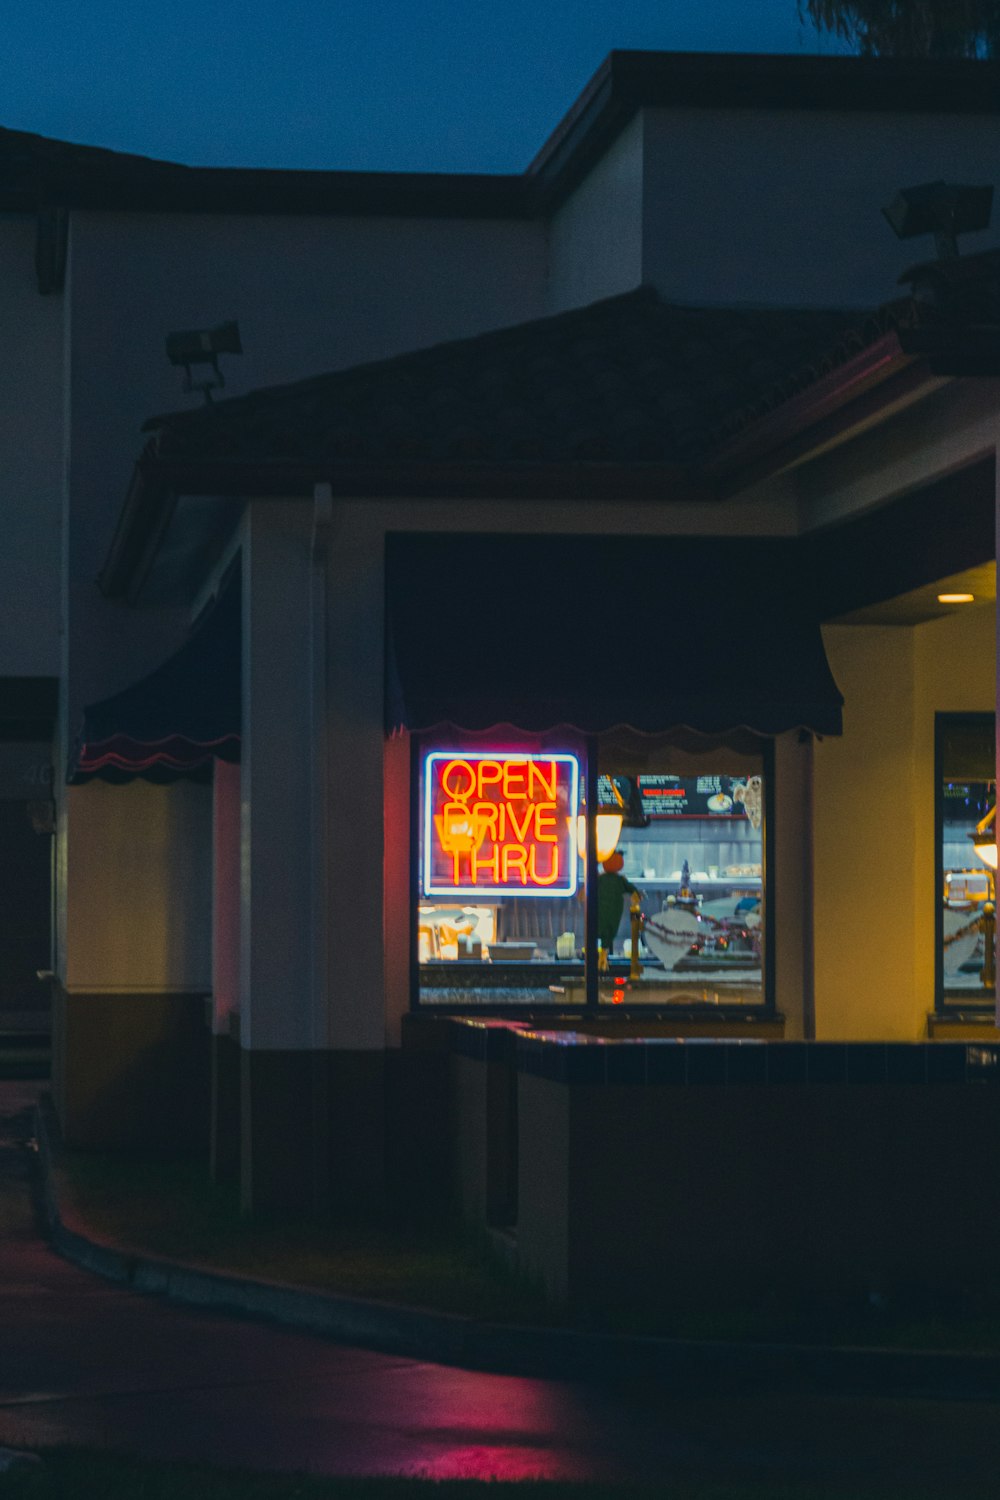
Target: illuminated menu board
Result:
[499, 823]
[692, 796]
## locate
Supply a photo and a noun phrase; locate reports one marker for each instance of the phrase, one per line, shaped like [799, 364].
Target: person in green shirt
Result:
[612, 888]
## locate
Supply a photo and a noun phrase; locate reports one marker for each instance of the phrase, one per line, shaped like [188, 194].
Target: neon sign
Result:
[500, 823]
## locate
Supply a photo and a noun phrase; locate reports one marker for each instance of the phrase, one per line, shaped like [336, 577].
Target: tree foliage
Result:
[910, 28]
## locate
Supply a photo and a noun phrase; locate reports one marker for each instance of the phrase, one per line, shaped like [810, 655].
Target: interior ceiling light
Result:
[956, 598]
[609, 827]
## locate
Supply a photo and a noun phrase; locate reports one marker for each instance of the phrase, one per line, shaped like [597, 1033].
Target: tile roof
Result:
[630, 380]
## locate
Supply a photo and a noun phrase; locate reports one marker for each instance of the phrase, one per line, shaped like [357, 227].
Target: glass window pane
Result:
[501, 886]
[966, 794]
[692, 848]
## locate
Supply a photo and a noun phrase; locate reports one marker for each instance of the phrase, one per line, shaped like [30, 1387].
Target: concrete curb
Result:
[448, 1338]
[18, 1458]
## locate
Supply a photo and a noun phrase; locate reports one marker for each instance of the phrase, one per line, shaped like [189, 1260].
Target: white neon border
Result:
[520, 891]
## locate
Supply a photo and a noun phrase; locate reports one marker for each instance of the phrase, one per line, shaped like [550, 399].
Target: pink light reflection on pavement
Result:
[83, 1361]
[90, 1363]
[499, 1463]
[479, 1426]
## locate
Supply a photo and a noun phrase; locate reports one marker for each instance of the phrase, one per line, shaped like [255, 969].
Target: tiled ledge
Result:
[485, 1040]
[568, 1057]
[491, 1037]
[576, 1057]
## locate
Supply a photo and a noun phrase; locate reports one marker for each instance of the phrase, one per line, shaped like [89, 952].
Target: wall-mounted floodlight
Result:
[942, 209]
[198, 351]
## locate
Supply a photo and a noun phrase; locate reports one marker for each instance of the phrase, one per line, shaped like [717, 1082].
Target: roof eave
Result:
[874, 384]
[629, 81]
[49, 172]
[141, 515]
[159, 485]
[45, 172]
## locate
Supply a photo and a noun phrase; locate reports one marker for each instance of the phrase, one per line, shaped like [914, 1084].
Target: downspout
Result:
[318, 852]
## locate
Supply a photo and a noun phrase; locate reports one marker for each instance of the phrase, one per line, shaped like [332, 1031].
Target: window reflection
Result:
[966, 793]
[502, 916]
[691, 847]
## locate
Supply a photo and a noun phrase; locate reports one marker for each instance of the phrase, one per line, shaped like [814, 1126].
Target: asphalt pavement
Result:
[84, 1361]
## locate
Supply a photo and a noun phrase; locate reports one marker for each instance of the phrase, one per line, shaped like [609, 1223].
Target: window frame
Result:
[592, 1007]
[952, 1002]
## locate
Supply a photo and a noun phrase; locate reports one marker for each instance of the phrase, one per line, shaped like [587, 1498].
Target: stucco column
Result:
[280, 1117]
[356, 843]
[225, 1120]
[355, 738]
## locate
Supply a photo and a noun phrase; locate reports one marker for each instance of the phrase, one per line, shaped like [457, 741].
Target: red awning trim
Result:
[174, 721]
[176, 752]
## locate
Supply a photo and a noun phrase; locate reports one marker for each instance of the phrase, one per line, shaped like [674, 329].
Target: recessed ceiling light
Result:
[956, 598]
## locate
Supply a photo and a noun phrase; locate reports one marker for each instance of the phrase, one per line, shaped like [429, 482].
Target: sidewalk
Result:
[448, 1338]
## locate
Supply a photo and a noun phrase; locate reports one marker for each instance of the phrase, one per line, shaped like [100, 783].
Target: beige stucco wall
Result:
[139, 858]
[874, 818]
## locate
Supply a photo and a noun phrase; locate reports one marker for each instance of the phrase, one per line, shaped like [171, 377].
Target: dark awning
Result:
[711, 633]
[172, 723]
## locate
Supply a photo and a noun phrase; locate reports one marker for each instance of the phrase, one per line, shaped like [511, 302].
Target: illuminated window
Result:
[679, 907]
[965, 781]
[692, 850]
[501, 911]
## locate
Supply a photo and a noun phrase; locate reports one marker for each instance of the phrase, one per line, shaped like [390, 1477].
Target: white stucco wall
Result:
[783, 207]
[310, 295]
[279, 794]
[595, 238]
[759, 207]
[32, 456]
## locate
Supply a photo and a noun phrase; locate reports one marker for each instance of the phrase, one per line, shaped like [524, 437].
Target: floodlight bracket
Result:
[198, 350]
[943, 209]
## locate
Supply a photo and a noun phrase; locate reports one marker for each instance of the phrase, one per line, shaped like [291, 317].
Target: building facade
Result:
[628, 484]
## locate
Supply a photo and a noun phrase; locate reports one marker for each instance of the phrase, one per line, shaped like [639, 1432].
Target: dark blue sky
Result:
[432, 85]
